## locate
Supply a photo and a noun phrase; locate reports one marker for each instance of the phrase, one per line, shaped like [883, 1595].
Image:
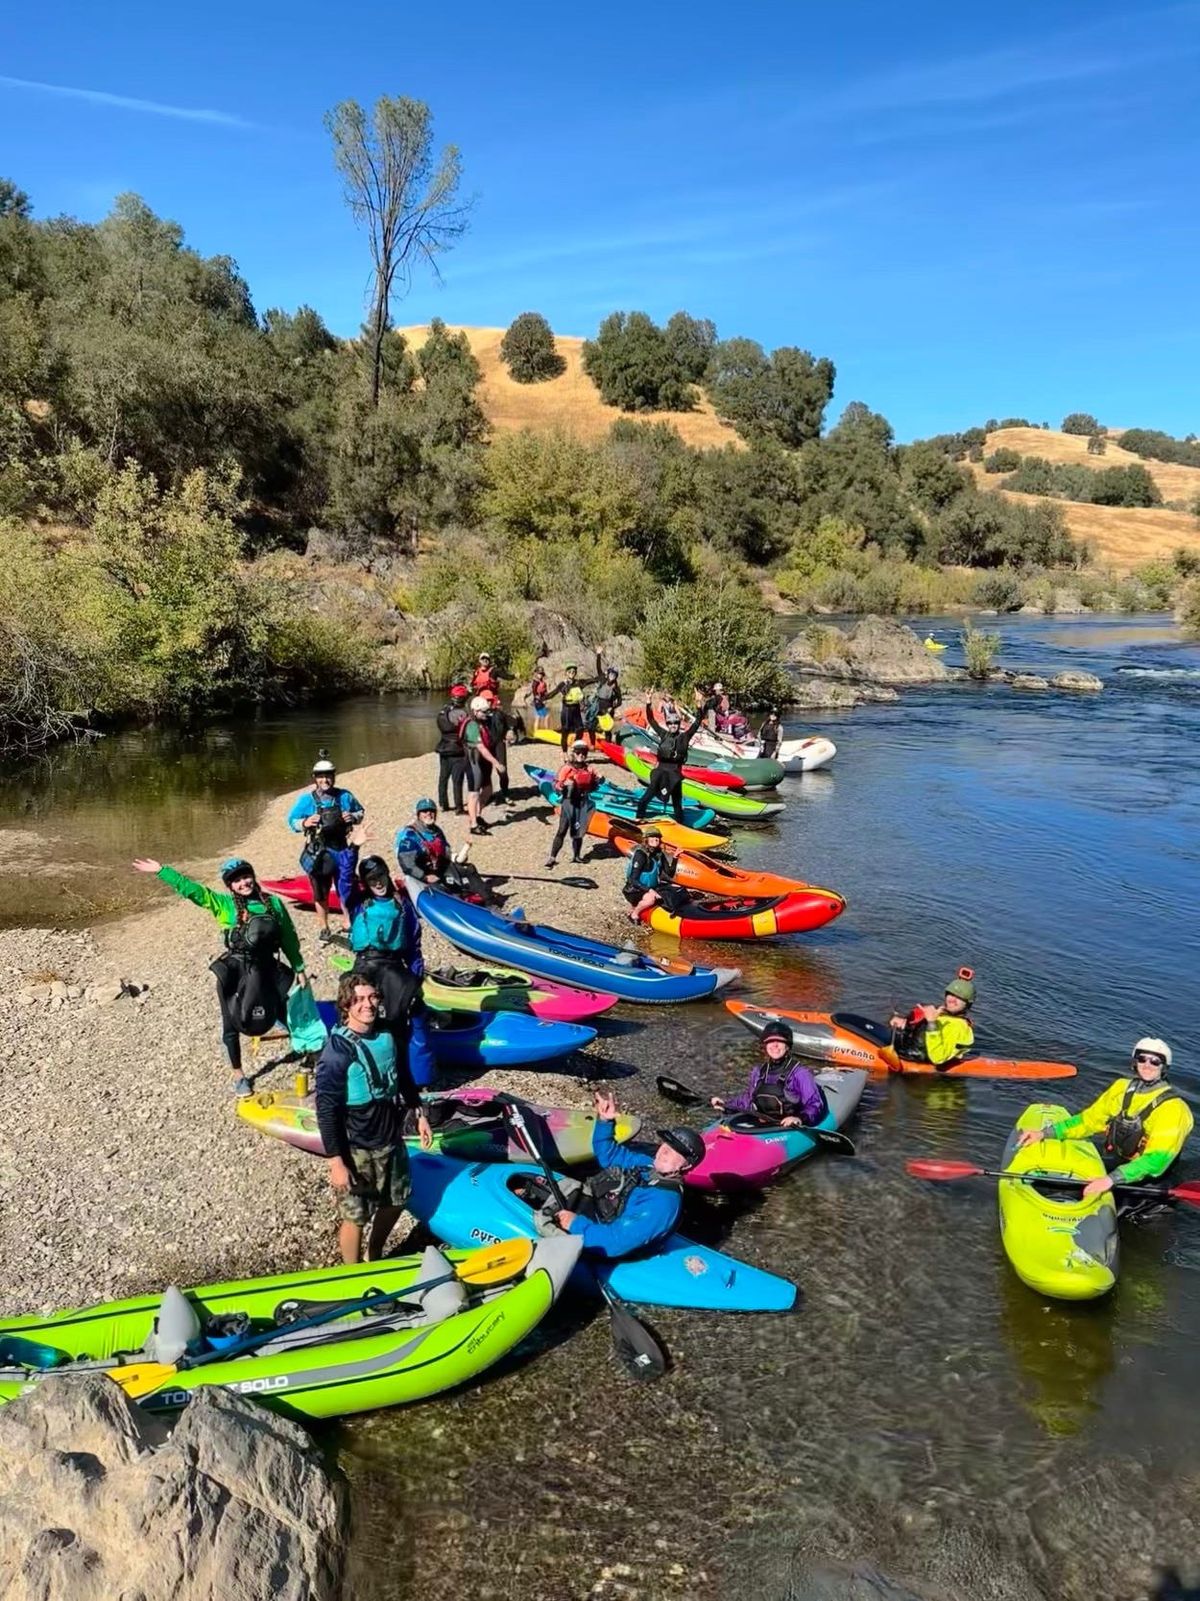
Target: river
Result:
[922, 1409]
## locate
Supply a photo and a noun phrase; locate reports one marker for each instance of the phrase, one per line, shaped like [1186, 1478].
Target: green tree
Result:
[691, 342]
[853, 474]
[529, 351]
[929, 476]
[408, 203]
[1096, 445]
[1080, 422]
[782, 397]
[632, 365]
[1002, 461]
[748, 501]
[696, 633]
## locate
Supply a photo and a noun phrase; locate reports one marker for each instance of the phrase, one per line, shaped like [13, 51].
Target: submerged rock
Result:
[1077, 680]
[98, 1500]
[1029, 681]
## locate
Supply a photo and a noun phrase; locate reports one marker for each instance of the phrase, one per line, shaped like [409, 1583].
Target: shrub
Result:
[1187, 562]
[1153, 443]
[1003, 460]
[493, 626]
[1080, 422]
[1187, 608]
[1096, 445]
[979, 651]
[696, 634]
[1001, 591]
[529, 350]
[824, 642]
[1011, 422]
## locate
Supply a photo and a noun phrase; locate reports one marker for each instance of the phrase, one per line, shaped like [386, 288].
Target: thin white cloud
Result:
[154, 108]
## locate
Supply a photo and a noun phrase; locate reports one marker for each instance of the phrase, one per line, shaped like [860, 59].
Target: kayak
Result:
[726, 803]
[696, 870]
[478, 1203]
[747, 917]
[712, 777]
[566, 958]
[442, 1338]
[505, 990]
[746, 1159]
[852, 1041]
[932, 644]
[756, 772]
[794, 755]
[1058, 1243]
[299, 891]
[602, 824]
[467, 1123]
[473, 1044]
[619, 802]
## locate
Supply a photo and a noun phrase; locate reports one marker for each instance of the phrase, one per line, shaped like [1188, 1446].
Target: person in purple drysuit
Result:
[781, 1087]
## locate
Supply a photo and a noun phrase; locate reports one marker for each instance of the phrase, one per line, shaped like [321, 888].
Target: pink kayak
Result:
[749, 1161]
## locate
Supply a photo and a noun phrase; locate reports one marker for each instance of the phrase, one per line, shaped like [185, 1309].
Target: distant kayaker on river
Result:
[939, 1035]
[649, 876]
[781, 1087]
[672, 752]
[576, 783]
[1142, 1120]
[325, 815]
[637, 1196]
[252, 983]
[363, 1090]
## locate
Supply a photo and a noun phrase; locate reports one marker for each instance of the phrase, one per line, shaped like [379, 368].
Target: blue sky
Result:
[974, 211]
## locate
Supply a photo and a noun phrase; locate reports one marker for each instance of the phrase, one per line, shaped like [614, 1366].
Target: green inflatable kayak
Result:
[725, 802]
[756, 772]
[437, 1333]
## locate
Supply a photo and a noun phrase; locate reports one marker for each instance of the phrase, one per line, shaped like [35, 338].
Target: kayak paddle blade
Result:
[921, 1168]
[635, 1345]
[672, 1090]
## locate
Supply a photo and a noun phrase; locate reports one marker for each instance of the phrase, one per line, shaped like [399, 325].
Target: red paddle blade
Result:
[1188, 1193]
[931, 1169]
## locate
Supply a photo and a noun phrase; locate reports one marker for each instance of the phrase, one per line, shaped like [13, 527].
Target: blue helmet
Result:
[236, 867]
[425, 805]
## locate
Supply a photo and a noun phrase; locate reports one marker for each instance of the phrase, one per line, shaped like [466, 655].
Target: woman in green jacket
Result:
[252, 983]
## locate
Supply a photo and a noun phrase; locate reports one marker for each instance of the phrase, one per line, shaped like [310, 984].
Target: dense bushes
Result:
[696, 633]
[636, 367]
[1111, 486]
[1153, 443]
[1002, 461]
[528, 349]
[1080, 422]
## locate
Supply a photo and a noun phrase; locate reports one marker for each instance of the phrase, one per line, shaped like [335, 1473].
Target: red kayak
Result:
[748, 917]
[298, 890]
[696, 775]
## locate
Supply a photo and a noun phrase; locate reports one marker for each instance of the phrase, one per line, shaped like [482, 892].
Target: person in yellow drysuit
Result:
[1144, 1121]
[939, 1035]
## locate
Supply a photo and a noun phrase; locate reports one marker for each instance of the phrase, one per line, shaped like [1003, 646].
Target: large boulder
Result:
[876, 650]
[1088, 683]
[98, 1500]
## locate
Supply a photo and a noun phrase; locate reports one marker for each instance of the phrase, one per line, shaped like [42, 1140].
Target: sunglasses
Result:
[1150, 1056]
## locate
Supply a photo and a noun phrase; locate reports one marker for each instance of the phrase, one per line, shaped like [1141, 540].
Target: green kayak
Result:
[434, 1336]
[725, 802]
[756, 772]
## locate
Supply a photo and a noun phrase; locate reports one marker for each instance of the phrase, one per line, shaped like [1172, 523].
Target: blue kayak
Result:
[565, 958]
[473, 1203]
[622, 803]
[468, 1041]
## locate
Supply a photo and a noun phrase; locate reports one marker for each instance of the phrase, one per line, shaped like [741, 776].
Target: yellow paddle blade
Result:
[490, 1264]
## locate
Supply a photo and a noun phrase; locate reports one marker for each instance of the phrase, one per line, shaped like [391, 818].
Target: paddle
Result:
[638, 1350]
[571, 880]
[490, 1264]
[829, 1139]
[920, 1168]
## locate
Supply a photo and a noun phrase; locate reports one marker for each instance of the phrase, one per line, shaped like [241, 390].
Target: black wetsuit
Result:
[452, 761]
[666, 779]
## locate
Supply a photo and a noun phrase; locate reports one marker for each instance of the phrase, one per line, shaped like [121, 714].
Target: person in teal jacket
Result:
[326, 816]
[252, 984]
[385, 935]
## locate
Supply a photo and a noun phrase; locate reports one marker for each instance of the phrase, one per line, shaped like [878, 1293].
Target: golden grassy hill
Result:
[570, 402]
[1120, 536]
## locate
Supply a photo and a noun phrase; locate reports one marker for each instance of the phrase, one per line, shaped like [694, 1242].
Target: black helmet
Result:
[236, 867]
[777, 1029]
[684, 1140]
[374, 870]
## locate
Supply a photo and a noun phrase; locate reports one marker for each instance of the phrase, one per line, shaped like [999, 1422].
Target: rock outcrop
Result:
[876, 650]
[1087, 682]
[99, 1500]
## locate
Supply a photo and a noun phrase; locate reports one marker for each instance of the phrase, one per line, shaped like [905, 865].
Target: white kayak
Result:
[794, 755]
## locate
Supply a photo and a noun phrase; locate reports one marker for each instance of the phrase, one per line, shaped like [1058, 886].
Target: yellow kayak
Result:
[932, 644]
[1059, 1244]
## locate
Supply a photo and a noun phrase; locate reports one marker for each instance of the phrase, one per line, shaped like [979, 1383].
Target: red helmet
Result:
[459, 692]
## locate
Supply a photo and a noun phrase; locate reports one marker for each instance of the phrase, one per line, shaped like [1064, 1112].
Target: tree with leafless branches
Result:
[408, 202]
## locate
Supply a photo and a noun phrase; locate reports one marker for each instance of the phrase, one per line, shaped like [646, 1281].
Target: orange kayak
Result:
[846, 1040]
[698, 870]
[607, 827]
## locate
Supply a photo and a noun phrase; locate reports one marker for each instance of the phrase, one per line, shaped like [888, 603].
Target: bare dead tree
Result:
[408, 204]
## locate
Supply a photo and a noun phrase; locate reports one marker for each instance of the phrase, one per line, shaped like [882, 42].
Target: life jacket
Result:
[485, 733]
[449, 720]
[1125, 1134]
[646, 868]
[608, 1192]
[539, 688]
[573, 696]
[433, 842]
[381, 924]
[484, 680]
[368, 1079]
[585, 779]
[608, 695]
[771, 1095]
[330, 829]
[673, 749]
[256, 937]
[252, 971]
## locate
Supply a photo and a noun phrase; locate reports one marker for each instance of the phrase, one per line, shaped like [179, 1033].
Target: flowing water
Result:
[922, 1409]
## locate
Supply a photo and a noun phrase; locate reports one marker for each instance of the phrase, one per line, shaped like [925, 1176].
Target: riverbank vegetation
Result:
[168, 454]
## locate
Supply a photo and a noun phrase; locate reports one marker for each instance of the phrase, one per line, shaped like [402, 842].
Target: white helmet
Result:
[324, 766]
[481, 704]
[1159, 1047]
[718, 689]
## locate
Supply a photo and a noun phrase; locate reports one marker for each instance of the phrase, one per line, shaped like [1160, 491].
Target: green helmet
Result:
[963, 986]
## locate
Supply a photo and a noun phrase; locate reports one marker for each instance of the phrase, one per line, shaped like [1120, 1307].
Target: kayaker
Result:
[539, 690]
[781, 1086]
[485, 681]
[576, 783]
[385, 935]
[570, 688]
[475, 737]
[673, 741]
[422, 849]
[770, 736]
[498, 732]
[252, 984]
[452, 761]
[649, 876]
[939, 1035]
[604, 704]
[363, 1089]
[1142, 1120]
[636, 1198]
[325, 815]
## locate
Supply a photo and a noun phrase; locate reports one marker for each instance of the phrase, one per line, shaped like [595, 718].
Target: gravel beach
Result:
[123, 1165]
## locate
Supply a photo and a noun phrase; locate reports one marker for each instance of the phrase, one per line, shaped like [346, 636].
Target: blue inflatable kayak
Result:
[622, 803]
[474, 1203]
[565, 958]
[475, 1041]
